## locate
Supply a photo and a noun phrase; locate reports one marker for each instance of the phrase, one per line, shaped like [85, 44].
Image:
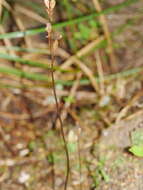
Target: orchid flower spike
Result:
[50, 4]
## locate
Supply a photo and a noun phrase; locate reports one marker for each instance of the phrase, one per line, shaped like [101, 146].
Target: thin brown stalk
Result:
[100, 72]
[124, 111]
[5, 4]
[22, 28]
[67, 104]
[88, 73]
[50, 4]
[86, 49]
[107, 36]
[30, 14]
[7, 42]
[81, 65]
[58, 114]
[1, 4]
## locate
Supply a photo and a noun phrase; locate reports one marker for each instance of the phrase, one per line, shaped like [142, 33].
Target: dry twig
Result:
[107, 36]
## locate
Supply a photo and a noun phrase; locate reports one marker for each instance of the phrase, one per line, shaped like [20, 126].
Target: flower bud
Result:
[50, 4]
[48, 27]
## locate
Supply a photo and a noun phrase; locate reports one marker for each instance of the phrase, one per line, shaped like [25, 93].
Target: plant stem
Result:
[59, 115]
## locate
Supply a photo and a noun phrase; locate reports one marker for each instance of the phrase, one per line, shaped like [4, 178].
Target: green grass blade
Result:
[107, 78]
[23, 74]
[20, 34]
[23, 61]
[22, 49]
[40, 77]
[29, 62]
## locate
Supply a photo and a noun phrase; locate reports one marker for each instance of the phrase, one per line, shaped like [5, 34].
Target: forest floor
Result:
[99, 84]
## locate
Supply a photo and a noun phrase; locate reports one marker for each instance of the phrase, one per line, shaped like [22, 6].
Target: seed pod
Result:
[49, 27]
[50, 4]
[56, 36]
[55, 45]
[47, 3]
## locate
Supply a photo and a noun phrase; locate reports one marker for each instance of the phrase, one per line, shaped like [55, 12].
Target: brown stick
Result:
[107, 35]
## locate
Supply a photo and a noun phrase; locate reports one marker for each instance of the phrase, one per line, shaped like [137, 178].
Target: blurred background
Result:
[98, 75]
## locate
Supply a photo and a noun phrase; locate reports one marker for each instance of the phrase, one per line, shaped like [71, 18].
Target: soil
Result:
[26, 147]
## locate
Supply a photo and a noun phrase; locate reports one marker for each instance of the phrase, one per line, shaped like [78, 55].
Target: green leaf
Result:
[105, 175]
[84, 31]
[94, 24]
[137, 150]
[69, 99]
